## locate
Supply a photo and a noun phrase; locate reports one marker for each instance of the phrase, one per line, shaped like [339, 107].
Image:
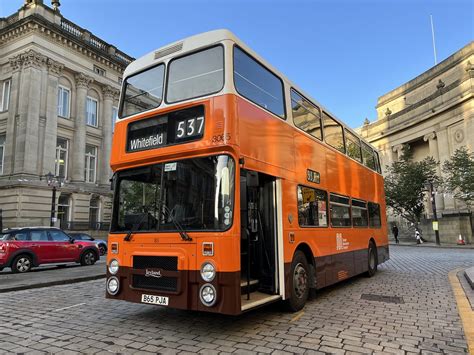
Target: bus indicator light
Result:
[208, 249]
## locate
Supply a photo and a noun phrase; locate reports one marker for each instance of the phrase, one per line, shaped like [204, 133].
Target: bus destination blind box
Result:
[168, 129]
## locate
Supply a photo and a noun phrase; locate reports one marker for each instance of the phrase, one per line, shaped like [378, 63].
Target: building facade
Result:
[434, 115]
[59, 88]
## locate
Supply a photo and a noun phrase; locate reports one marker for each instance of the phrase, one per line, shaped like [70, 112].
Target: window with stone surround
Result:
[5, 87]
[64, 101]
[2, 151]
[90, 171]
[91, 111]
[94, 212]
[61, 162]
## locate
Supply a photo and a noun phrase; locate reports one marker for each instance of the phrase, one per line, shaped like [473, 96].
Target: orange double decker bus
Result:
[233, 188]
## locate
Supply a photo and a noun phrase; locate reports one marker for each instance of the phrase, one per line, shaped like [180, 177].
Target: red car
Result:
[23, 248]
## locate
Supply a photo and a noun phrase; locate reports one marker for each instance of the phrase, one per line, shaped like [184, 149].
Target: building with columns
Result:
[59, 88]
[434, 115]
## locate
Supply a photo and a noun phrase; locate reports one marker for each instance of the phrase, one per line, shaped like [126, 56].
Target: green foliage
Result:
[459, 176]
[405, 185]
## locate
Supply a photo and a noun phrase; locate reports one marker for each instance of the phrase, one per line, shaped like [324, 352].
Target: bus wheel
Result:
[372, 263]
[299, 282]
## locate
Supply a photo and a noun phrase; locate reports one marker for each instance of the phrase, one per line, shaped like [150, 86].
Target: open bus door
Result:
[259, 254]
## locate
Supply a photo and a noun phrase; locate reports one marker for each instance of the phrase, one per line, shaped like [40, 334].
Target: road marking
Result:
[62, 309]
[464, 308]
[297, 316]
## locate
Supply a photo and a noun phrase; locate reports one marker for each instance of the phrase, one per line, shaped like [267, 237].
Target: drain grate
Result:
[381, 298]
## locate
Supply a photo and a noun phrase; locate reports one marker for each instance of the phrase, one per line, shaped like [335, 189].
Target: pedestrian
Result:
[395, 232]
[419, 240]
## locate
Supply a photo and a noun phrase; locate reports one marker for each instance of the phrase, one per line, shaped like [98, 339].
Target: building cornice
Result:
[428, 75]
[66, 34]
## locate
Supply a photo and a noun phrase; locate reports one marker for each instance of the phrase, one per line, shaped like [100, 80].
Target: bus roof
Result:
[206, 39]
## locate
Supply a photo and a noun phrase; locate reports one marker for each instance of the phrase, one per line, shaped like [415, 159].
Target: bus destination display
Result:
[167, 129]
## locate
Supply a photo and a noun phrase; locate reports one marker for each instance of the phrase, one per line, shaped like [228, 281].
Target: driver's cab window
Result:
[58, 236]
[39, 236]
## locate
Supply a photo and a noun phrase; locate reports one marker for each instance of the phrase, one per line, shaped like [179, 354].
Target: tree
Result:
[459, 176]
[405, 185]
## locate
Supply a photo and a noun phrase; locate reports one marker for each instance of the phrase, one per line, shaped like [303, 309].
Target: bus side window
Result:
[333, 133]
[374, 215]
[306, 116]
[312, 207]
[360, 217]
[340, 211]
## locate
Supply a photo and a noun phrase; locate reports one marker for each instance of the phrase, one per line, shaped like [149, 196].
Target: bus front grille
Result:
[168, 263]
[151, 283]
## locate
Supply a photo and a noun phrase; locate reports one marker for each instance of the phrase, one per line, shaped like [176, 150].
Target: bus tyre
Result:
[299, 282]
[372, 262]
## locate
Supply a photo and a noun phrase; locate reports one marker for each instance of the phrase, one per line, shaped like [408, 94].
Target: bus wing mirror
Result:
[113, 180]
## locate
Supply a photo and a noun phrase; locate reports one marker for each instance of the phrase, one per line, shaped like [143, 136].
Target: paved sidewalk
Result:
[50, 275]
[432, 245]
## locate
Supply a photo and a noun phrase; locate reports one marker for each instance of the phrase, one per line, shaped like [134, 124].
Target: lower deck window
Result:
[312, 207]
[374, 215]
[340, 211]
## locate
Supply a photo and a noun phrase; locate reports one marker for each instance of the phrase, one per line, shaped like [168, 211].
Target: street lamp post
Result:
[433, 206]
[52, 181]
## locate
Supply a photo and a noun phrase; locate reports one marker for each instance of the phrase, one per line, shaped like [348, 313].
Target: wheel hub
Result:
[300, 281]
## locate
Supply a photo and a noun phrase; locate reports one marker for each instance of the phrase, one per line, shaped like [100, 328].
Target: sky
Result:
[344, 53]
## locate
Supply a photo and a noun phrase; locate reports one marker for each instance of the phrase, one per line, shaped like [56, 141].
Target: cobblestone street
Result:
[420, 316]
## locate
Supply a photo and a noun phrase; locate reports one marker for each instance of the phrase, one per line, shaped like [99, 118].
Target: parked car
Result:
[23, 248]
[101, 244]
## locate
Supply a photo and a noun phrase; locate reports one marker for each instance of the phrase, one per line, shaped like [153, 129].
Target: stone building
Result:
[59, 88]
[434, 115]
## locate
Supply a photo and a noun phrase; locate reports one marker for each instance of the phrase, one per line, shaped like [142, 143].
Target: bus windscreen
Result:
[197, 193]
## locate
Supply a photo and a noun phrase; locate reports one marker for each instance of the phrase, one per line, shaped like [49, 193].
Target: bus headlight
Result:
[208, 272]
[113, 266]
[113, 285]
[208, 295]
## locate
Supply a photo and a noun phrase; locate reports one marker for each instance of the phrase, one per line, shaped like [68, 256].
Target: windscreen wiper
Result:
[132, 230]
[184, 236]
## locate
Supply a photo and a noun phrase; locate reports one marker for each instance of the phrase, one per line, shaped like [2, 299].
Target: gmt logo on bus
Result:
[168, 129]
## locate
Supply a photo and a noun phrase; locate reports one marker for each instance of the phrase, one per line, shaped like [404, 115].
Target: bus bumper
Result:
[179, 289]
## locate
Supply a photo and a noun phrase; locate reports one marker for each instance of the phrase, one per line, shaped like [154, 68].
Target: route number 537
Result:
[190, 128]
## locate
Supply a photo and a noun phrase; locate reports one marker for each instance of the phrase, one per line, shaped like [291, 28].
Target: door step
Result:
[257, 299]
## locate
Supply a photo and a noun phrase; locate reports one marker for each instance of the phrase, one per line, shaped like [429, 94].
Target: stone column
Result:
[109, 95]
[79, 142]
[444, 154]
[11, 133]
[432, 140]
[51, 129]
[26, 147]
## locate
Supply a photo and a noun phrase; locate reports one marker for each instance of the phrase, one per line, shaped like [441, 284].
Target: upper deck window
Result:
[258, 84]
[353, 146]
[333, 133]
[195, 75]
[143, 91]
[306, 116]
[368, 156]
